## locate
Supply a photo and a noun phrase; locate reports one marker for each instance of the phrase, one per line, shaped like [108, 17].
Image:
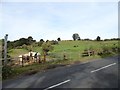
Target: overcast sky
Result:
[50, 20]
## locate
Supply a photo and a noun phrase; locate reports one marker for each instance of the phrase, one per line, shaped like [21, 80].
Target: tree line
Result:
[76, 36]
[23, 42]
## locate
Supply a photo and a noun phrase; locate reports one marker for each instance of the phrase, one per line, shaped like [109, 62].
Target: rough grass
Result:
[37, 49]
[72, 49]
[36, 67]
[16, 52]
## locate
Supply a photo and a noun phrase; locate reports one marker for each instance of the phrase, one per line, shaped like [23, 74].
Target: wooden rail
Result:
[88, 53]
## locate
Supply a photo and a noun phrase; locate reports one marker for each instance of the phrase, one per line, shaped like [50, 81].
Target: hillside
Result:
[72, 49]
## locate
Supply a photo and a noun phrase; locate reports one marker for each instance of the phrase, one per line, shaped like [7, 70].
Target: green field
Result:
[16, 52]
[73, 51]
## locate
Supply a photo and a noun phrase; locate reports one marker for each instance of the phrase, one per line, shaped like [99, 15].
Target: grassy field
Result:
[72, 49]
[16, 52]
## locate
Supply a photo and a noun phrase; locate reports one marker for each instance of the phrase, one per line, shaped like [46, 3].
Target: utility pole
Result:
[5, 49]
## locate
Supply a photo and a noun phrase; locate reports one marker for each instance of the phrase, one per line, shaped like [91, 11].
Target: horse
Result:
[35, 56]
[24, 58]
[31, 56]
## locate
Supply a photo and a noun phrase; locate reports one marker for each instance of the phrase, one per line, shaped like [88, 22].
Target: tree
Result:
[59, 39]
[79, 38]
[21, 41]
[46, 47]
[54, 42]
[10, 44]
[98, 38]
[47, 40]
[40, 42]
[87, 39]
[76, 36]
[30, 40]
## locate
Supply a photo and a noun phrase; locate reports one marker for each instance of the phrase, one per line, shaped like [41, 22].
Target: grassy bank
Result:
[73, 51]
[36, 67]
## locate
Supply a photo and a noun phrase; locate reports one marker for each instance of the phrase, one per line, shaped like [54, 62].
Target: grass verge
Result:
[36, 67]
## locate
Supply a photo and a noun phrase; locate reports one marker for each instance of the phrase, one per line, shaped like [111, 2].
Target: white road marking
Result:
[103, 67]
[57, 84]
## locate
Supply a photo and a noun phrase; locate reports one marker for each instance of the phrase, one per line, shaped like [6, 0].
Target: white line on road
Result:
[57, 84]
[103, 67]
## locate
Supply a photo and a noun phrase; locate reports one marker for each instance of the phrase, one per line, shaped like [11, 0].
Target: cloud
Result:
[53, 20]
[60, 0]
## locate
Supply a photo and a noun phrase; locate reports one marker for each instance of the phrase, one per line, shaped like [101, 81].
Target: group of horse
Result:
[30, 57]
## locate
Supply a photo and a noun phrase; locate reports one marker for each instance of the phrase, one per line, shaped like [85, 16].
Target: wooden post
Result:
[64, 56]
[5, 49]
[22, 61]
[39, 58]
[44, 57]
[89, 52]
[31, 57]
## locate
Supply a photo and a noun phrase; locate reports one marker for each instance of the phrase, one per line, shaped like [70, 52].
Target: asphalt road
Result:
[102, 73]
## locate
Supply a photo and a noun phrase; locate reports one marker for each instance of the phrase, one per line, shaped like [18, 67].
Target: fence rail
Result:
[21, 61]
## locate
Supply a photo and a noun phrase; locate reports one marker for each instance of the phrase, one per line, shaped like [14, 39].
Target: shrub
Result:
[54, 42]
[106, 50]
[6, 71]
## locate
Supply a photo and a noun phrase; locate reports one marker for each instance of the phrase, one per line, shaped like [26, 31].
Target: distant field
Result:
[69, 47]
[72, 49]
[17, 52]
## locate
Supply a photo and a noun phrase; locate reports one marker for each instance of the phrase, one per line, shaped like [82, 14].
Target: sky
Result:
[50, 20]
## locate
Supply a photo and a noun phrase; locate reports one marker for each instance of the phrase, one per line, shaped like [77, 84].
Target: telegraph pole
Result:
[5, 49]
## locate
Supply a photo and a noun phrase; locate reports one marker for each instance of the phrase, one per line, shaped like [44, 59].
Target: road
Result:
[102, 73]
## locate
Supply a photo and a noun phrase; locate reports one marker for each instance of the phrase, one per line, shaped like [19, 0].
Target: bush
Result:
[115, 49]
[106, 50]
[54, 42]
[6, 72]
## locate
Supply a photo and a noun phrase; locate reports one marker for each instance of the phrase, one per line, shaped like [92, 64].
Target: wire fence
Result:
[23, 61]
[65, 55]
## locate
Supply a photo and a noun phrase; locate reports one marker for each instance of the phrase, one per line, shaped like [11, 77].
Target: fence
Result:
[19, 61]
[23, 61]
